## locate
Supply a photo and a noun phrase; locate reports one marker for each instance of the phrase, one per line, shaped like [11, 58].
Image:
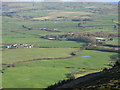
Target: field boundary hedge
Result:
[102, 49]
[14, 64]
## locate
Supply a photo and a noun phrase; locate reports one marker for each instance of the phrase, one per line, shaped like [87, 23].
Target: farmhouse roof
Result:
[100, 38]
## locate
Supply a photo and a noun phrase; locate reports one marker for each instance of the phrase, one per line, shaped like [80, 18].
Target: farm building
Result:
[51, 38]
[18, 46]
[101, 39]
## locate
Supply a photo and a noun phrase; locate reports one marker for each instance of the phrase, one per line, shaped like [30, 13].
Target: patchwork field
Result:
[27, 23]
[58, 15]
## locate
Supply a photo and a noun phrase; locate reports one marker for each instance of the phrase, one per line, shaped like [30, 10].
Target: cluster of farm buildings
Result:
[18, 46]
[102, 39]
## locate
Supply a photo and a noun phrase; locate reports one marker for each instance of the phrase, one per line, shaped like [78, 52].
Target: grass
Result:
[47, 72]
[114, 42]
[21, 40]
[101, 30]
[40, 77]
[9, 19]
[63, 14]
[35, 13]
[52, 24]
[79, 61]
[22, 54]
[85, 73]
[1, 80]
[63, 44]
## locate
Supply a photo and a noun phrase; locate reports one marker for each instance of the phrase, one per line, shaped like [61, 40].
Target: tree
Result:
[115, 26]
[111, 39]
[79, 24]
[73, 54]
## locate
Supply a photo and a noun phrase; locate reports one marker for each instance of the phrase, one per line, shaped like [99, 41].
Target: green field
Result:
[14, 55]
[64, 44]
[47, 72]
[114, 42]
[21, 40]
[35, 13]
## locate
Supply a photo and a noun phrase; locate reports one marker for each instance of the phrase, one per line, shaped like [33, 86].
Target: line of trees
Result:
[88, 37]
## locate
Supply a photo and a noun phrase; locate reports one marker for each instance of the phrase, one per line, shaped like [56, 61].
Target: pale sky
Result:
[63, 0]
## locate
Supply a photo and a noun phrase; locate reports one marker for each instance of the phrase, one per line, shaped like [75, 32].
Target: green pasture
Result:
[10, 19]
[22, 6]
[12, 27]
[47, 72]
[22, 40]
[40, 77]
[99, 22]
[102, 30]
[96, 60]
[22, 54]
[64, 44]
[27, 33]
[51, 24]
[16, 35]
[34, 13]
[114, 42]
[0, 80]
[15, 24]
[63, 26]
[38, 33]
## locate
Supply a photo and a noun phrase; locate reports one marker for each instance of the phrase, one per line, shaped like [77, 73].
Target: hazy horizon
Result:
[60, 0]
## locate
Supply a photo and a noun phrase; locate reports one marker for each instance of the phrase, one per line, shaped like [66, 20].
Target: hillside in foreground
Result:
[108, 79]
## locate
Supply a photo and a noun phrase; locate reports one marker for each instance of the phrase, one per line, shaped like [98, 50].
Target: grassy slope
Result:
[104, 80]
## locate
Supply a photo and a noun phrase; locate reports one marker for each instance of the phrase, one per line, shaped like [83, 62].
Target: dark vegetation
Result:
[82, 36]
[98, 48]
[108, 79]
[94, 40]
